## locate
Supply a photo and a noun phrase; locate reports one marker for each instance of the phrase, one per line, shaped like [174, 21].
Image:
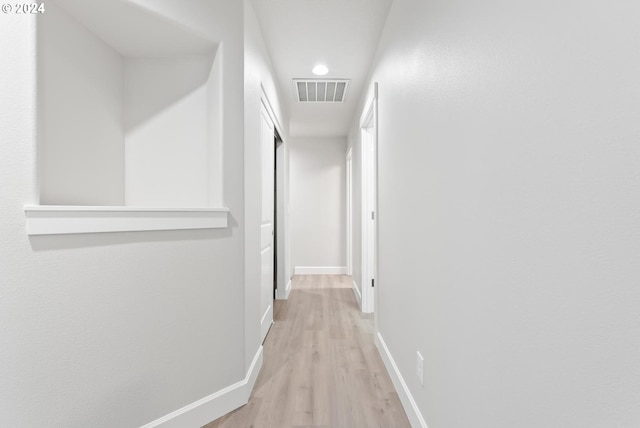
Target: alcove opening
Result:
[129, 121]
[129, 108]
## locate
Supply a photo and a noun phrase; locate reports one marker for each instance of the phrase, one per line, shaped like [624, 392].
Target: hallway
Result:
[473, 166]
[321, 367]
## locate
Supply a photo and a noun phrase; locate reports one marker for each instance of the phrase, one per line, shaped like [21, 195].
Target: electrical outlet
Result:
[420, 367]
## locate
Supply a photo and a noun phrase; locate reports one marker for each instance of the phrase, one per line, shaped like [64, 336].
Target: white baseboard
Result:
[284, 294]
[266, 322]
[212, 407]
[409, 404]
[320, 270]
[356, 291]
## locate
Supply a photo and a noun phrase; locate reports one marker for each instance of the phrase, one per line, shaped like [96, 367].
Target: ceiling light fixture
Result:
[320, 70]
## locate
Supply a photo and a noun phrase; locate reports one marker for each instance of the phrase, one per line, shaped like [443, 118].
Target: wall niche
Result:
[129, 111]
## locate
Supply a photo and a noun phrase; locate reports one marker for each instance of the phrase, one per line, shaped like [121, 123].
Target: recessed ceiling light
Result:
[320, 70]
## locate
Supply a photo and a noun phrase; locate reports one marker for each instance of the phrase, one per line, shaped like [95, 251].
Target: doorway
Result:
[275, 277]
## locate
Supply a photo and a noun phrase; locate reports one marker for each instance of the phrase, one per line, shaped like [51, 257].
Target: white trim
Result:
[280, 220]
[212, 407]
[116, 208]
[265, 323]
[357, 293]
[406, 398]
[349, 214]
[320, 270]
[367, 112]
[284, 294]
[270, 111]
[63, 219]
[266, 313]
[369, 207]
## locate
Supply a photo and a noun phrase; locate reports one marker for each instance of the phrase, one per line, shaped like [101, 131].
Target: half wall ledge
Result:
[69, 219]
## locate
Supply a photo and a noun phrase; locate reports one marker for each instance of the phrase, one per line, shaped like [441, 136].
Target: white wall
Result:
[118, 329]
[80, 110]
[508, 210]
[167, 131]
[215, 135]
[318, 185]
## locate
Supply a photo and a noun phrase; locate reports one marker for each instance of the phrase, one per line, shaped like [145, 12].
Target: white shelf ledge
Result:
[67, 219]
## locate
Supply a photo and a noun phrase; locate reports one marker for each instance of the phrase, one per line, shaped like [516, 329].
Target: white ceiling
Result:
[118, 23]
[342, 34]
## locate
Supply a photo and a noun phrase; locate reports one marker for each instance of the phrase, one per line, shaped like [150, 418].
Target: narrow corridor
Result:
[321, 367]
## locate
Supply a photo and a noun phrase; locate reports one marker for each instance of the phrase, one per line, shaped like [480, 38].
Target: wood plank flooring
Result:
[321, 367]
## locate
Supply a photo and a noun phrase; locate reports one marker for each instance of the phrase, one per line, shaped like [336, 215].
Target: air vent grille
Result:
[321, 90]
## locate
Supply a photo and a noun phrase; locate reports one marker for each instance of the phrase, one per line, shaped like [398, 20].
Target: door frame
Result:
[284, 248]
[267, 239]
[266, 307]
[282, 228]
[349, 203]
[369, 199]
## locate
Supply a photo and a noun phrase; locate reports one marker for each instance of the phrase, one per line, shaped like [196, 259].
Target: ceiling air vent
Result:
[321, 90]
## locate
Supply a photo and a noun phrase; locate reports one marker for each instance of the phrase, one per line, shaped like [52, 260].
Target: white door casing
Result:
[266, 228]
[281, 226]
[369, 142]
[349, 193]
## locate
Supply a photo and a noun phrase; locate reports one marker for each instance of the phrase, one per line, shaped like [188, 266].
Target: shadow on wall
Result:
[156, 86]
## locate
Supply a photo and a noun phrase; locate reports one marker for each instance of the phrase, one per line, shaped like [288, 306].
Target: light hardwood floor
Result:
[321, 367]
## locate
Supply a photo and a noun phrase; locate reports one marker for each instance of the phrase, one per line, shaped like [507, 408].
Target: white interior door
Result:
[266, 232]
